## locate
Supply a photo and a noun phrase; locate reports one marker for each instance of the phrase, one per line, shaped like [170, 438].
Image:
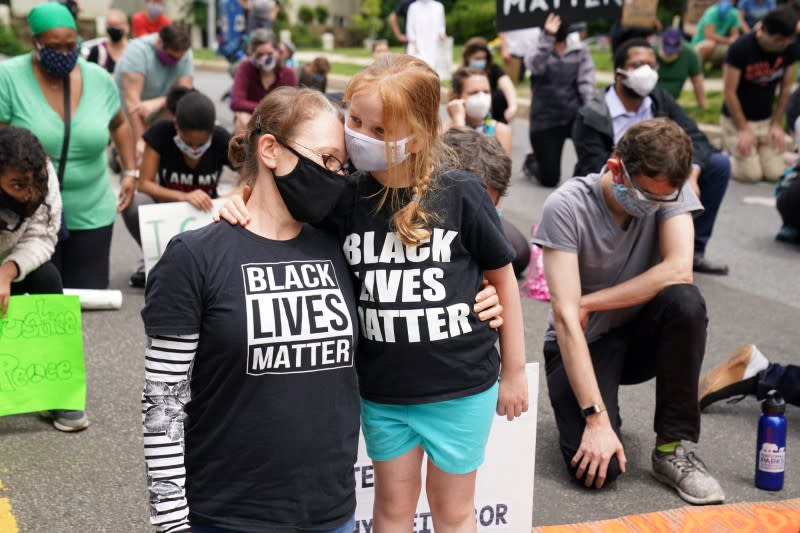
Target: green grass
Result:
[204, 54]
[345, 69]
[702, 116]
[602, 60]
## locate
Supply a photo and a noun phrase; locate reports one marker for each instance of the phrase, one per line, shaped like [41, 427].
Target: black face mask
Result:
[13, 212]
[115, 34]
[310, 191]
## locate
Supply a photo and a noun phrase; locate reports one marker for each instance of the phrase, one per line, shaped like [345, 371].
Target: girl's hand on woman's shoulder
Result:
[235, 211]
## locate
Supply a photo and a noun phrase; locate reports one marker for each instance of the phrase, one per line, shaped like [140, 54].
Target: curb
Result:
[337, 82]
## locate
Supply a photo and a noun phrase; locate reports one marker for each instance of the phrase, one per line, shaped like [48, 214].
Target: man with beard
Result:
[634, 97]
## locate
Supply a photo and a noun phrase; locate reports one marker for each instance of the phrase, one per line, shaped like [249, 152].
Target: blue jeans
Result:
[713, 183]
[347, 527]
[784, 379]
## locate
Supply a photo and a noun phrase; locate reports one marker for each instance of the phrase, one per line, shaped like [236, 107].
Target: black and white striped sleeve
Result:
[168, 365]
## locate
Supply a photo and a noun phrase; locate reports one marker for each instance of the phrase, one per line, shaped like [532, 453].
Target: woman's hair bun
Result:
[237, 150]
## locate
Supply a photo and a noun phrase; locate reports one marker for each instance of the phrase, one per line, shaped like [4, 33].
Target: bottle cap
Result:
[773, 404]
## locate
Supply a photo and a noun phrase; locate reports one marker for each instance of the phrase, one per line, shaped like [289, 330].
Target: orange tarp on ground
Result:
[755, 517]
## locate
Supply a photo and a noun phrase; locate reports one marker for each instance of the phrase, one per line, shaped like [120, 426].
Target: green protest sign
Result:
[41, 355]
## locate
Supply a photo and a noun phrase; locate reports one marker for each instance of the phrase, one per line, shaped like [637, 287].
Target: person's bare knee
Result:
[397, 487]
[452, 500]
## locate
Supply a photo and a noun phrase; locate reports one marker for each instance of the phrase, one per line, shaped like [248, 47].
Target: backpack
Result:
[535, 284]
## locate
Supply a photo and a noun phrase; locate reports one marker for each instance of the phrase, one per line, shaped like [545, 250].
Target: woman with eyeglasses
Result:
[251, 337]
[183, 161]
[33, 90]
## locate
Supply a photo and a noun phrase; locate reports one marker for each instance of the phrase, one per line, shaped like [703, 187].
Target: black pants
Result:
[547, 146]
[665, 341]
[788, 203]
[43, 280]
[83, 259]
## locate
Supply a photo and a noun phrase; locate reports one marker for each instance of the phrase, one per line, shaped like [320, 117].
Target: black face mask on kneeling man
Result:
[310, 191]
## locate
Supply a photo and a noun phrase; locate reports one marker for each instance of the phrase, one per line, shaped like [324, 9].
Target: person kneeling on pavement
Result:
[30, 215]
[182, 162]
[632, 98]
[748, 372]
[617, 250]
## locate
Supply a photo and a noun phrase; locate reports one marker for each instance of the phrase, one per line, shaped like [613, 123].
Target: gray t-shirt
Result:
[577, 219]
[140, 56]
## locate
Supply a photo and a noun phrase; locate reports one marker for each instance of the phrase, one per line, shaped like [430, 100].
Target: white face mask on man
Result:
[641, 80]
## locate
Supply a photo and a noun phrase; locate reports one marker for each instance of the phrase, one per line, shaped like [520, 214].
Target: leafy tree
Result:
[305, 14]
[321, 14]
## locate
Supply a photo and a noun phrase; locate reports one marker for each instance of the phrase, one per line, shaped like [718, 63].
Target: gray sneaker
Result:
[68, 421]
[687, 474]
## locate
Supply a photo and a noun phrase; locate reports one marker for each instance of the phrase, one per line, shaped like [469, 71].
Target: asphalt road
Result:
[94, 480]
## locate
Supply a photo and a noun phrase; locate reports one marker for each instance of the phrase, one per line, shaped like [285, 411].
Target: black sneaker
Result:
[137, 279]
[531, 167]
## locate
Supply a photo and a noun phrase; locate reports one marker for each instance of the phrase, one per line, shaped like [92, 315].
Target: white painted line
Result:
[767, 201]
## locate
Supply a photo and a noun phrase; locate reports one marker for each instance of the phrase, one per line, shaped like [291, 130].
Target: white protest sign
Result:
[158, 223]
[504, 492]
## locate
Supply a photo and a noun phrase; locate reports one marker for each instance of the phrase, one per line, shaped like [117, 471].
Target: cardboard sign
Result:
[41, 355]
[519, 14]
[504, 492]
[158, 223]
[639, 13]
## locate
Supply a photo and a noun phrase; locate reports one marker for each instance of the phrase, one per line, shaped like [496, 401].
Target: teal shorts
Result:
[453, 433]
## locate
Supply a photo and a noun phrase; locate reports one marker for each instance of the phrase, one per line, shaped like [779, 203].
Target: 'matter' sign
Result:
[518, 14]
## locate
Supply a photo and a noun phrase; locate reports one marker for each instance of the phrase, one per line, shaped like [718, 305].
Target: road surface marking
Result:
[8, 524]
[768, 201]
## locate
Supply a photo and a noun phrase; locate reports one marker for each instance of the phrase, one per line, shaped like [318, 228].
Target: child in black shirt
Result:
[182, 162]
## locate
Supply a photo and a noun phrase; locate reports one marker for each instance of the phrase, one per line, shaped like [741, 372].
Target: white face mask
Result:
[641, 80]
[369, 154]
[478, 105]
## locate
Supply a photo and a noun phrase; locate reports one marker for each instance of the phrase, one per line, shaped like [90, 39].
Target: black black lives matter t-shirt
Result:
[271, 433]
[420, 339]
[760, 74]
[174, 173]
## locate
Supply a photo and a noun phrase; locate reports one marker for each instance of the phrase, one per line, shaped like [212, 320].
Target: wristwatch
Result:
[593, 409]
[130, 172]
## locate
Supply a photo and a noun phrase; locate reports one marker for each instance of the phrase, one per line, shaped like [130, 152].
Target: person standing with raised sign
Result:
[562, 80]
[618, 260]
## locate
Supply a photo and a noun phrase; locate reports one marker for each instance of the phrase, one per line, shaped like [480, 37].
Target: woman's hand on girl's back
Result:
[235, 211]
[487, 306]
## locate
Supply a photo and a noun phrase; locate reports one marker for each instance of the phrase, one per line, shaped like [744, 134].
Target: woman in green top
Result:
[32, 94]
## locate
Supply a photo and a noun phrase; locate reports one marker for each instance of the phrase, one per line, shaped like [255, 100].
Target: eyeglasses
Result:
[641, 194]
[329, 161]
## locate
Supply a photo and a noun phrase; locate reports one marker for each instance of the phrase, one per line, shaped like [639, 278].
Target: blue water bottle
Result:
[771, 444]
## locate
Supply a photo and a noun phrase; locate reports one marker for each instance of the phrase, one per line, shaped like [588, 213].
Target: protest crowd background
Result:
[106, 120]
